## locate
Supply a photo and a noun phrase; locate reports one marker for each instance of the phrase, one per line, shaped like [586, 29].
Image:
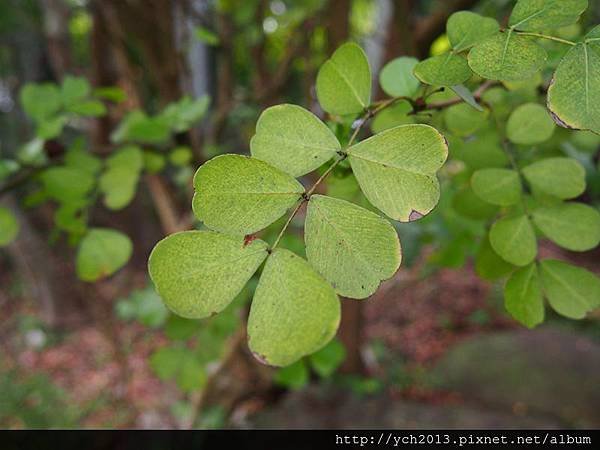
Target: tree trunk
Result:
[45, 277]
[338, 23]
[56, 27]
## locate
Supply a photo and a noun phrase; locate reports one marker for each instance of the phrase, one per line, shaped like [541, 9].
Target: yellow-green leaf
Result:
[9, 227]
[396, 170]
[199, 273]
[571, 291]
[560, 177]
[465, 29]
[241, 195]
[514, 240]
[497, 186]
[295, 312]
[523, 296]
[507, 56]
[101, 253]
[574, 93]
[539, 15]
[353, 248]
[397, 78]
[529, 124]
[344, 81]
[119, 180]
[443, 70]
[293, 139]
[573, 226]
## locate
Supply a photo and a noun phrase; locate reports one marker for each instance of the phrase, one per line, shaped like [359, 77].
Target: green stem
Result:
[370, 112]
[516, 168]
[545, 36]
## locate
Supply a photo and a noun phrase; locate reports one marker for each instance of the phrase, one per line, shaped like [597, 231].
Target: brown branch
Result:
[163, 203]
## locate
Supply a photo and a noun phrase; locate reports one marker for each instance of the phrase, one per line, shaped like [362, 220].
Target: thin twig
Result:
[369, 113]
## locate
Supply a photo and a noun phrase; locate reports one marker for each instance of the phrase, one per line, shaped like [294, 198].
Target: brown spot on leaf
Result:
[446, 141]
[261, 358]
[559, 121]
[248, 239]
[414, 215]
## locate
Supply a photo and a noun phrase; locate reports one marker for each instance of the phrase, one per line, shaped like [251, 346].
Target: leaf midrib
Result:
[219, 265]
[390, 166]
[345, 79]
[568, 288]
[346, 241]
[303, 144]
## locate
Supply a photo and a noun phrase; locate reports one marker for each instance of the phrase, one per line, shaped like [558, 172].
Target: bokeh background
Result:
[432, 348]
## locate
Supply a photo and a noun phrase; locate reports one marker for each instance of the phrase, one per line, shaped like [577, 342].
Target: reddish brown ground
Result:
[107, 373]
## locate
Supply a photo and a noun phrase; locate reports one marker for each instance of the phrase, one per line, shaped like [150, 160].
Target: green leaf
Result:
[9, 227]
[468, 204]
[112, 93]
[571, 291]
[165, 361]
[51, 127]
[396, 170]
[397, 78]
[206, 36]
[68, 217]
[32, 152]
[293, 139]
[497, 186]
[154, 162]
[573, 226]
[507, 56]
[67, 184]
[129, 157]
[199, 273]
[181, 364]
[574, 93]
[353, 248]
[443, 70]
[179, 329]
[529, 124]
[118, 186]
[180, 156]
[514, 240]
[294, 376]
[40, 101]
[138, 127]
[294, 313]
[540, 15]
[144, 305]
[465, 93]
[192, 374]
[344, 81]
[88, 108]
[560, 177]
[488, 265]
[481, 151]
[82, 160]
[74, 89]
[101, 253]
[183, 114]
[397, 114]
[119, 181]
[463, 120]
[240, 195]
[465, 29]
[523, 296]
[326, 361]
